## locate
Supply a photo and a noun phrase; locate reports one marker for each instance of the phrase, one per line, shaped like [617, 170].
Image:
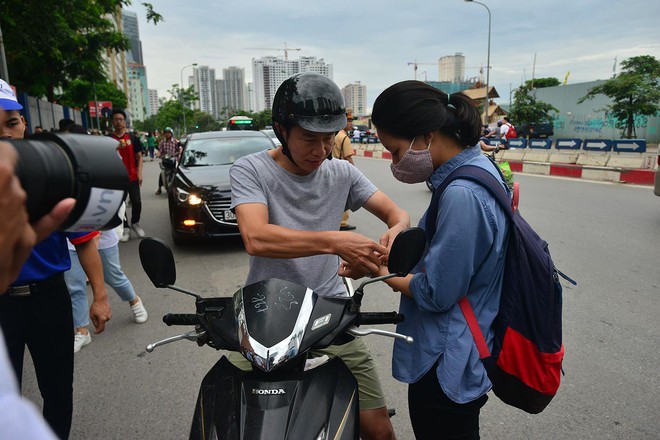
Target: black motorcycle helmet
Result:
[310, 101]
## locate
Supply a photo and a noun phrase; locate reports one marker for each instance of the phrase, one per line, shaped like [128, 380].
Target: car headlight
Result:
[194, 200]
[185, 197]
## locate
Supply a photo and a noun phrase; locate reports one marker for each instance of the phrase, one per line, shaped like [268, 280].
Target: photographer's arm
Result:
[90, 260]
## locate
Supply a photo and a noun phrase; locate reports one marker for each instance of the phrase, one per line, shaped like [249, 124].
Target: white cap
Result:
[8, 97]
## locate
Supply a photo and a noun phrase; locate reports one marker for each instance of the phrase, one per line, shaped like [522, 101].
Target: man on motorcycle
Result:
[289, 203]
[168, 147]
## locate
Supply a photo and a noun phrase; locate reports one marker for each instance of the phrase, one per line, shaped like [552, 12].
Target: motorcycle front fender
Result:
[321, 403]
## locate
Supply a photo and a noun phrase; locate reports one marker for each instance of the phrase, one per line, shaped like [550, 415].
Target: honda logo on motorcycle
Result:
[268, 392]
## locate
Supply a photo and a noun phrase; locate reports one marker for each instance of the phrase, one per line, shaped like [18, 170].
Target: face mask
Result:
[415, 166]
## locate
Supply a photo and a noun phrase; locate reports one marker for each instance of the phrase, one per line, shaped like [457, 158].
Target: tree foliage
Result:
[51, 43]
[527, 109]
[539, 83]
[634, 91]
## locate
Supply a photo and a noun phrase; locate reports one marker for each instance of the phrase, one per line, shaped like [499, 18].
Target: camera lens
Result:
[52, 167]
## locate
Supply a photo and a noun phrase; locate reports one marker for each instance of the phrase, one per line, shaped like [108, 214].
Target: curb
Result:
[607, 174]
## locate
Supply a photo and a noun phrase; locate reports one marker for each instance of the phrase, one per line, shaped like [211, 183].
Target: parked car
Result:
[199, 197]
[273, 137]
[367, 135]
[656, 186]
[535, 130]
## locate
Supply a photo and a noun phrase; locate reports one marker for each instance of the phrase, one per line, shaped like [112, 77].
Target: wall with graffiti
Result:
[589, 119]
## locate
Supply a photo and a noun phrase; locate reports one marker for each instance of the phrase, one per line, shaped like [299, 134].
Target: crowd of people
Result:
[291, 205]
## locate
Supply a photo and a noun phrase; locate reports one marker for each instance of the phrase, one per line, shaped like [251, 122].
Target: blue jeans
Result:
[112, 274]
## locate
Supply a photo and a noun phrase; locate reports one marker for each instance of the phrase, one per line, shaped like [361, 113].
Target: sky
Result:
[373, 41]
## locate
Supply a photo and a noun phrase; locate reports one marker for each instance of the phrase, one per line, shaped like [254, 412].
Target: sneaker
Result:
[139, 312]
[126, 235]
[158, 192]
[138, 230]
[80, 340]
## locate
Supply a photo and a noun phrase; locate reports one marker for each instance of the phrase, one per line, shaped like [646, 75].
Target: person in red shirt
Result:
[130, 150]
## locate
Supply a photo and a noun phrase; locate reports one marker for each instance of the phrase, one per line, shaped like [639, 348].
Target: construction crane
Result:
[415, 64]
[285, 50]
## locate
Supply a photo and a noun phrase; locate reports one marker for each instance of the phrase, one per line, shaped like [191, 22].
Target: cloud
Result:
[372, 41]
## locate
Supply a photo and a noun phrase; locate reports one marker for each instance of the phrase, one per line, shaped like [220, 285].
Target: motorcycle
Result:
[167, 171]
[275, 324]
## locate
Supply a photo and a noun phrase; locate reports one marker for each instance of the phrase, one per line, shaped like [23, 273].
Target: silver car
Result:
[271, 134]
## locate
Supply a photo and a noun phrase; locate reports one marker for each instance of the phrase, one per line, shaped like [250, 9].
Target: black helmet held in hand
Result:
[310, 101]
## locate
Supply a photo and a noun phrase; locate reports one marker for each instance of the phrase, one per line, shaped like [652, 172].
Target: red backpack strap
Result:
[472, 323]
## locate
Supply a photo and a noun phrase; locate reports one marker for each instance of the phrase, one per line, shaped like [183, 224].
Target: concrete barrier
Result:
[513, 154]
[564, 156]
[593, 159]
[626, 160]
[536, 156]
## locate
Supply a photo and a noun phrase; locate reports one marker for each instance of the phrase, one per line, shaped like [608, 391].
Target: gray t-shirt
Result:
[314, 202]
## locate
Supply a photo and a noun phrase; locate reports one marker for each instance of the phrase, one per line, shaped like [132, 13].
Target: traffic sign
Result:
[541, 144]
[493, 142]
[568, 144]
[597, 144]
[517, 143]
[630, 145]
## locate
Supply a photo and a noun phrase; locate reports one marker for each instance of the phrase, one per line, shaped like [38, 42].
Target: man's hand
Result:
[361, 256]
[100, 313]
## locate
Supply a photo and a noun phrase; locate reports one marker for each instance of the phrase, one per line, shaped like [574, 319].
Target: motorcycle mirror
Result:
[157, 261]
[407, 249]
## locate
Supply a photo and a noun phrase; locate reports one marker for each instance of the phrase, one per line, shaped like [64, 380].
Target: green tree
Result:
[527, 109]
[539, 83]
[50, 43]
[634, 91]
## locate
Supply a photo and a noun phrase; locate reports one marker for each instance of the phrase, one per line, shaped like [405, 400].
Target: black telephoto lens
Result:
[54, 166]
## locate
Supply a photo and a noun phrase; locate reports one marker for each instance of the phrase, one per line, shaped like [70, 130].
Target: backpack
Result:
[511, 133]
[525, 363]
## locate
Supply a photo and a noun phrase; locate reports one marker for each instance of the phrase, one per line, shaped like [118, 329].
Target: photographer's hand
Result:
[17, 236]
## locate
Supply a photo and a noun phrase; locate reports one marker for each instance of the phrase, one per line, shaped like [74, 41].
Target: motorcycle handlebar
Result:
[375, 318]
[180, 319]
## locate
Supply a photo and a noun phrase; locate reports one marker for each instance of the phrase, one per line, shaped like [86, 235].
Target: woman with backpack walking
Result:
[430, 134]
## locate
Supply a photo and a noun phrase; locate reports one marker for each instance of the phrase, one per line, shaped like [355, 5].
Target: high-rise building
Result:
[451, 68]
[269, 72]
[234, 88]
[132, 32]
[116, 62]
[221, 98]
[154, 104]
[138, 92]
[251, 98]
[355, 98]
[204, 86]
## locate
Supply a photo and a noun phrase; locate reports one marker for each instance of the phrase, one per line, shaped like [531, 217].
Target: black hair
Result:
[77, 128]
[66, 123]
[506, 118]
[412, 108]
[118, 111]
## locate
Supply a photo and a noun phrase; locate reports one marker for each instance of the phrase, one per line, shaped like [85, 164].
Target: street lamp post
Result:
[487, 101]
[183, 102]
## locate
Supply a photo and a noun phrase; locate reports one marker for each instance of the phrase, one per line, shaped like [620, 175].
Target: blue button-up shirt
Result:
[466, 257]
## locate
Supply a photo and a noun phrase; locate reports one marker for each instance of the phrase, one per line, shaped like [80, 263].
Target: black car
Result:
[199, 197]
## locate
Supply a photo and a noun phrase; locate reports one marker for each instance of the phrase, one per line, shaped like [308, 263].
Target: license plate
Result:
[229, 215]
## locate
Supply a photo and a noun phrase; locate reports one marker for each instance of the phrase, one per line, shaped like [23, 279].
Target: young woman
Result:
[429, 134]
